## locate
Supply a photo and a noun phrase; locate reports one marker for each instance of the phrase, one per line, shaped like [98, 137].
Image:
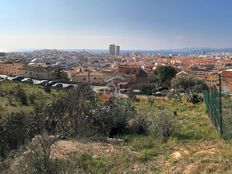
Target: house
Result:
[198, 72]
[226, 81]
[129, 68]
[37, 72]
[142, 77]
[10, 68]
[134, 73]
[212, 79]
[91, 77]
[182, 74]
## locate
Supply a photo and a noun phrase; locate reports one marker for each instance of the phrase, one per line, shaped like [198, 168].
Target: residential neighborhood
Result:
[96, 69]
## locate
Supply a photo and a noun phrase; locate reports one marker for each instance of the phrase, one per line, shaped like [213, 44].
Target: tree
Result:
[148, 89]
[69, 113]
[112, 117]
[187, 84]
[153, 79]
[59, 74]
[79, 113]
[16, 129]
[37, 158]
[12, 132]
[159, 81]
[165, 75]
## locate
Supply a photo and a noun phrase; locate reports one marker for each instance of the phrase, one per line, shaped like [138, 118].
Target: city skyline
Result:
[93, 24]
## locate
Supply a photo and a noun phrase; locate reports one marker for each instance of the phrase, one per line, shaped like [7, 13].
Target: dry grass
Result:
[194, 148]
[9, 102]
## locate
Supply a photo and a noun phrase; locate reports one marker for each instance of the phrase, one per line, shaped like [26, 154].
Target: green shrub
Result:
[138, 125]
[37, 158]
[32, 98]
[79, 113]
[194, 98]
[163, 125]
[47, 89]
[21, 95]
[12, 133]
[186, 84]
[16, 129]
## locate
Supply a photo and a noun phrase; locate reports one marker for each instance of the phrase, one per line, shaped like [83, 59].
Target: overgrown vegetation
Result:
[79, 113]
[188, 84]
[163, 125]
[159, 81]
[37, 158]
[19, 97]
[165, 75]
[60, 75]
[153, 135]
[76, 113]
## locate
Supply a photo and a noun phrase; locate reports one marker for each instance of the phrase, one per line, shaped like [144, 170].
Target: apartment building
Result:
[91, 77]
[37, 72]
[10, 68]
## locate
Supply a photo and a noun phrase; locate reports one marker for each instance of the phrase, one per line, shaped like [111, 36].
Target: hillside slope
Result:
[195, 148]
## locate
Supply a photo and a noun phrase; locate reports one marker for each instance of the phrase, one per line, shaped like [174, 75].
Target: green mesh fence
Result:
[219, 110]
[227, 116]
[212, 101]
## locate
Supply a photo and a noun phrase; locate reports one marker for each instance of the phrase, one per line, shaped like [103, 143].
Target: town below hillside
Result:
[81, 112]
[128, 69]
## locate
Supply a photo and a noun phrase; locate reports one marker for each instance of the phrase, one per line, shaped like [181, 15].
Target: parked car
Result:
[18, 78]
[159, 94]
[27, 80]
[42, 82]
[3, 77]
[53, 82]
[69, 87]
[57, 85]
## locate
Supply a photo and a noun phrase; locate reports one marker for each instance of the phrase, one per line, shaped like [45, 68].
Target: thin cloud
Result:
[179, 37]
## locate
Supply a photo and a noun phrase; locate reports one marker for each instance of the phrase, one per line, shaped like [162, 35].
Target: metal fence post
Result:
[220, 105]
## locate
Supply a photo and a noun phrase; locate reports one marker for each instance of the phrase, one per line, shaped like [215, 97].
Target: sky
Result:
[132, 24]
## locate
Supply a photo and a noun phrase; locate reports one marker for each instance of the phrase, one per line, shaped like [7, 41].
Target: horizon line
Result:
[104, 49]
